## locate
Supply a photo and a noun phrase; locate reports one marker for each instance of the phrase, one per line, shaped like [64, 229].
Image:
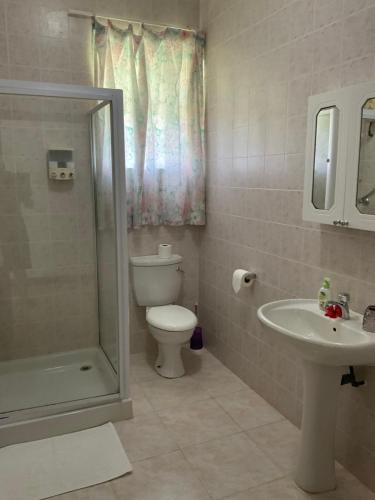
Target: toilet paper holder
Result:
[250, 277]
[242, 278]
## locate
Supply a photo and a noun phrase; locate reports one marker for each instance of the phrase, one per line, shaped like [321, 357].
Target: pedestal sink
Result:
[327, 347]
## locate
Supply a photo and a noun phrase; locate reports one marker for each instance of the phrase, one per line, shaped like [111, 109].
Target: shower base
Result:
[55, 378]
[58, 393]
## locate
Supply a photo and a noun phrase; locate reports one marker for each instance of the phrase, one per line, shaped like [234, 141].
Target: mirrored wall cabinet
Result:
[340, 158]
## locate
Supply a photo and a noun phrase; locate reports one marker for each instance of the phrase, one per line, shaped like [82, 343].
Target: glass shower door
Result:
[58, 270]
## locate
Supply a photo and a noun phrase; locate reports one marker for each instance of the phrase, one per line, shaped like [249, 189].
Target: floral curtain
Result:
[161, 75]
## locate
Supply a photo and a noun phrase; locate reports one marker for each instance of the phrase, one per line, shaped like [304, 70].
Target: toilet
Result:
[157, 283]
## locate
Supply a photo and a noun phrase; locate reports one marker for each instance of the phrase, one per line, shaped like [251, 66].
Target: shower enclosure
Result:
[63, 263]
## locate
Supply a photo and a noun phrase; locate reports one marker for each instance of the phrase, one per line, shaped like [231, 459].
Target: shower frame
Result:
[44, 421]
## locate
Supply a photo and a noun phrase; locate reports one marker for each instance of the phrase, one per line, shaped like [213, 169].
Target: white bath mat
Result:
[49, 467]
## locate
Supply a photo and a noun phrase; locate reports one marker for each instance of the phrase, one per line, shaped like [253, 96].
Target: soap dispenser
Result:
[324, 295]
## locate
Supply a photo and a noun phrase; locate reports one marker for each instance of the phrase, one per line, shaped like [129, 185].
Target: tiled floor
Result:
[207, 436]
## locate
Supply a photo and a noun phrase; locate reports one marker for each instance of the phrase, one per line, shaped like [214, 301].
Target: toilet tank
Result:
[156, 281]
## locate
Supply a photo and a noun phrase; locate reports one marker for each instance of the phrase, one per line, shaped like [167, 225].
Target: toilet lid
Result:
[171, 318]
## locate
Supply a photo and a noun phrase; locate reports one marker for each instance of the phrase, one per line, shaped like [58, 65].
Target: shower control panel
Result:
[60, 164]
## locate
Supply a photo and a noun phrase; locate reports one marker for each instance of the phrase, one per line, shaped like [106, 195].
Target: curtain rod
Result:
[91, 15]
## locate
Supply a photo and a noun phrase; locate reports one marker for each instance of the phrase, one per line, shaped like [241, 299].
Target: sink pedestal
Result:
[316, 466]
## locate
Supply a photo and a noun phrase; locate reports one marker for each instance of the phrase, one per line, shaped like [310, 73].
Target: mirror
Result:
[366, 167]
[325, 154]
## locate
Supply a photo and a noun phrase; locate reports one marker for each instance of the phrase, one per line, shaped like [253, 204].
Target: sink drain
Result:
[85, 368]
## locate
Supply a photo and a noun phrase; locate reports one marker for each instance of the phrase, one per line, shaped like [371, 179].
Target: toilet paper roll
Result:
[165, 251]
[242, 279]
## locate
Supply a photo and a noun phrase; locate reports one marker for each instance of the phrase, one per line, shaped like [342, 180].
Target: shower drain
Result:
[85, 368]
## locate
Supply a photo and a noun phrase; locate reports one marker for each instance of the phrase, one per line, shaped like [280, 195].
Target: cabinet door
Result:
[360, 185]
[324, 190]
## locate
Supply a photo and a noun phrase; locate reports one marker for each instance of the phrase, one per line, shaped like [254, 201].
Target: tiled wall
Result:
[38, 41]
[264, 58]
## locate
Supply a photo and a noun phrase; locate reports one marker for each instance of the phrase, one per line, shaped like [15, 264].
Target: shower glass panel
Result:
[59, 331]
[105, 227]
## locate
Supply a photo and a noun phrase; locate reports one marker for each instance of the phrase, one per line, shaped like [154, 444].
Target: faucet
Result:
[343, 300]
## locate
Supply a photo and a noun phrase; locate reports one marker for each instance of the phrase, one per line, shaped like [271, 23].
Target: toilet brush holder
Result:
[196, 341]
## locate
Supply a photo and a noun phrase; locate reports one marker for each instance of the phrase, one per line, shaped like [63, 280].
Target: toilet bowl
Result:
[157, 283]
[171, 326]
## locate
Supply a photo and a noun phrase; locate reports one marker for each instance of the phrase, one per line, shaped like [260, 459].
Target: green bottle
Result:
[324, 294]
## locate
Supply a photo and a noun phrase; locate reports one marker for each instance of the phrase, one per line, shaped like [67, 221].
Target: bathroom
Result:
[229, 428]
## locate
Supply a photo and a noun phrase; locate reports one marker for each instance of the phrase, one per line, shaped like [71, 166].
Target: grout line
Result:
[300, 262]
[195, 472]
[254, 488]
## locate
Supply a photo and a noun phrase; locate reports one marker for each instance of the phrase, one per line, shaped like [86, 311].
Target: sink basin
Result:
[335, 342]
[327, 346]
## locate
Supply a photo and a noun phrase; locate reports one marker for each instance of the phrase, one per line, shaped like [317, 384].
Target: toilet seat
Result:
[171, 318]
